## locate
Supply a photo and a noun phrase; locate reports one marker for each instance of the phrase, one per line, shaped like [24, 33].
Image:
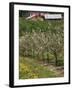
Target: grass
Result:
[30, 68]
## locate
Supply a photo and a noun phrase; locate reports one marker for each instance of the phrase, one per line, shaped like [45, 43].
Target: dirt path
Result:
[58, 70]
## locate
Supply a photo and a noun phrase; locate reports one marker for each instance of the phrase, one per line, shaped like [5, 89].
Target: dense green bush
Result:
[43, 26]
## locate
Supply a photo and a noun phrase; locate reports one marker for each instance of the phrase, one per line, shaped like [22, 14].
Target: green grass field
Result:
[31, 68]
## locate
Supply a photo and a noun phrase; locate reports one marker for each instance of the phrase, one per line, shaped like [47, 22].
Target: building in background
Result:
[44, 16]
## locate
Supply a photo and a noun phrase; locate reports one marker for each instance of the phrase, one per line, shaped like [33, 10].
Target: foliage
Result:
[40, 41]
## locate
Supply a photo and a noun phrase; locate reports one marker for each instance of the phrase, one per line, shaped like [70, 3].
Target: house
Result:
[43, 16]
[53, 16]
[36, 16]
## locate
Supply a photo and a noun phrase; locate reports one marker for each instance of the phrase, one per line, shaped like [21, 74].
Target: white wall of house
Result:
[53, 16]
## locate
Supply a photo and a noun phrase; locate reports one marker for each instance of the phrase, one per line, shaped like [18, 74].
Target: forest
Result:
[41, 48]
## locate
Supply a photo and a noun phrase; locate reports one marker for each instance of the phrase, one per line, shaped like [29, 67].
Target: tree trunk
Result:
[48, 58]
[48, 61]
[56, 59]
[32, 53]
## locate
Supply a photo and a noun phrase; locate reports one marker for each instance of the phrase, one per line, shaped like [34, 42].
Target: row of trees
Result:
[42, 45]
